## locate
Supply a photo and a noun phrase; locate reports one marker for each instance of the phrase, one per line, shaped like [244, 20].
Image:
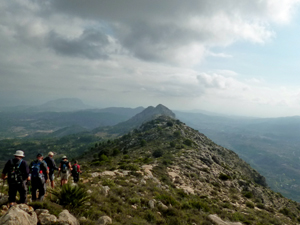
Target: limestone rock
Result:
[108, 173]
[162, 206]
[151, 204]
[105, 190]
[95, 174]
[67, 218]
[3, 199]
[218, 221]
[45, 218]
[104, 220]
[19, 214]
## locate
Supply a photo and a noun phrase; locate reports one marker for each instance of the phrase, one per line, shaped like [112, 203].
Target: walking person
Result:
[52, 167]
[63, 169]
[17, 171]
[39, 177]
[76, 171]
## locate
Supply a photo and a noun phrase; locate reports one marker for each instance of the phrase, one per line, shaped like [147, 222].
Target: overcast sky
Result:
[226, 56]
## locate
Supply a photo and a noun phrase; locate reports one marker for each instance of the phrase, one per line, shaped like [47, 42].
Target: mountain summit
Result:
[146, 115]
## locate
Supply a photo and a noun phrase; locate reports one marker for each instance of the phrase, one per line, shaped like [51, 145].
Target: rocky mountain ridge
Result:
[165, 172]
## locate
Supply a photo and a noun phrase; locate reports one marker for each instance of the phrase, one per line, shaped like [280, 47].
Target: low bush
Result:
[71, 196]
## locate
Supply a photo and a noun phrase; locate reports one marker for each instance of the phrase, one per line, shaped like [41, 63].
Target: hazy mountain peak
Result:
[61, 105]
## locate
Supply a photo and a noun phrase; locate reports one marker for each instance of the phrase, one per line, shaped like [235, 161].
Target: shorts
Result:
[51, 176]
[64, 176]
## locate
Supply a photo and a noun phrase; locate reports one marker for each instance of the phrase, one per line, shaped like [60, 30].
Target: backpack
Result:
[35, 169]
[15, 174]
[75, 169]
[64, 166]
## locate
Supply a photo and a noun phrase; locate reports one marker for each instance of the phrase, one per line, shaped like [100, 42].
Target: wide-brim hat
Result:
[19, 153]
[50, 153]
[64, 157]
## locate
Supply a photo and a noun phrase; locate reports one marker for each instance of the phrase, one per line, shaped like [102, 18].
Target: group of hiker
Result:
[21, 176]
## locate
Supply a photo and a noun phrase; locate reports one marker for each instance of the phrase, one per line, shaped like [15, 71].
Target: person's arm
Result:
[3, 176]
[70, 166]
[45, 170]
[54, 165]
[27, 170]
[78, 169]
[5, 170]
[59, 168]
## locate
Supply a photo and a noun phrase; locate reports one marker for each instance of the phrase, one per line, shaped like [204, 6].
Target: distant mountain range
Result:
[270, 145]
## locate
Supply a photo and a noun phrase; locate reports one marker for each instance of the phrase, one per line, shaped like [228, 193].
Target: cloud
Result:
[168, 31]
[92, 44]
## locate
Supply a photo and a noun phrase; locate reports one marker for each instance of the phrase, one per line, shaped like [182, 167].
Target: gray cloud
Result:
[91, 44]
[160, 30]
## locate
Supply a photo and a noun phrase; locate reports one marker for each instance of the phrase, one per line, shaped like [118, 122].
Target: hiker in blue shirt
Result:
[17, 171]
[39, 176]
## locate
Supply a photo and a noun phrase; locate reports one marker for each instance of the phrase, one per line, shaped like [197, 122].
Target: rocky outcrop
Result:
[44, 217]
[19, 214]
[3, 199]
[218, 221]
[104, 220]
[67, 218]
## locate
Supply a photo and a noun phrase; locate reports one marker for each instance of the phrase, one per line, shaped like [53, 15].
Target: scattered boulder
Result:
[108, 173]
[105, 190]
[67, 218]
[147, 169]
[3, 199]
[19, 214]
[151, 204]
[218, 221]
[104, 220]
[162, 206]
[95, 174]
[44, 217]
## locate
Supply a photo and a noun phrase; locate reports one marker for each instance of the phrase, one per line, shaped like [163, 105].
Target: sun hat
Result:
[19, 153]
[50, 153]
[64, 157]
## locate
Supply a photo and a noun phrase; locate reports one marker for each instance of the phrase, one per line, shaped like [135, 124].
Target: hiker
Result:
[17, 171]
[52, 166]
[39, 176]
[76, 171]
[63, 169]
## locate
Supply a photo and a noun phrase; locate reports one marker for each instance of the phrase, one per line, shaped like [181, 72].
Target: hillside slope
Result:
[168, 173]
[270, 145]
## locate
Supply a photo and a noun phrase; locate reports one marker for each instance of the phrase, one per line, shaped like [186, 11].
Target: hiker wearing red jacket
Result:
[76, 171]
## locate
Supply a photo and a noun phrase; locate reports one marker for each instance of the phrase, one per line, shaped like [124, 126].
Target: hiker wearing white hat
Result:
[52, 166]
[17, 171]
[64, 168]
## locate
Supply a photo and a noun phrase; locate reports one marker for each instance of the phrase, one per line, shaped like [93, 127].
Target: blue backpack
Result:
[64, 166]
[35, 169]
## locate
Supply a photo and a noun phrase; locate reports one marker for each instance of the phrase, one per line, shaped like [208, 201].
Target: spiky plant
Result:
[71, 196]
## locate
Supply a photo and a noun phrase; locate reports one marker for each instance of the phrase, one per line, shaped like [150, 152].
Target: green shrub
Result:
[172, 144]
[188, 142]
[177, 133]
[108, 182]
[250, 204]
[143, 143]
[157, 153]
[248, 194]
[223, 176]
[53, 208]
[169, 123]
[71, 196]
